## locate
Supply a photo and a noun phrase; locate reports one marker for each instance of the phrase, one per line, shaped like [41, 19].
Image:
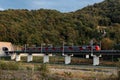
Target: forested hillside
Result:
[100, 21]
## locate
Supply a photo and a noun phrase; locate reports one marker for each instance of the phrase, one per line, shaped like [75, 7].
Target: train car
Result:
[95, 47]
[63, 48]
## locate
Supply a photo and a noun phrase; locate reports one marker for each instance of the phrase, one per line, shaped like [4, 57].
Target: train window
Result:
[61, 48]
[89, 47]
[80, 48]
[46, 48]
[53, 48]
[70, 48]
[39, 48]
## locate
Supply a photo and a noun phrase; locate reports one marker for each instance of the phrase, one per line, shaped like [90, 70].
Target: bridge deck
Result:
[82, 52]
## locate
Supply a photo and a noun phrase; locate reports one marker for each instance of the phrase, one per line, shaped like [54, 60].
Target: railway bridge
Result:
[66, 51]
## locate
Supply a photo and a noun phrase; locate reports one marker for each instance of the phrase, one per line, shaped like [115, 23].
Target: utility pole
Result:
[63, 48]
[91, 43]
[42, 44]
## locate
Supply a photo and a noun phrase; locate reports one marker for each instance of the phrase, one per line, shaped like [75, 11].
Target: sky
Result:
[60, 5]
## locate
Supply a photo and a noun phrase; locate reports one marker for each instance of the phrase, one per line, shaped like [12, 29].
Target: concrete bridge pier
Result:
[68, 58]
[96, 60]
[13, 56]
[46, 58]
[18, 57]
[29, 57]
[87, 56]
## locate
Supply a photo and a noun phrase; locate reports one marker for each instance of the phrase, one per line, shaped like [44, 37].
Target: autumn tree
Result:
[107, 43]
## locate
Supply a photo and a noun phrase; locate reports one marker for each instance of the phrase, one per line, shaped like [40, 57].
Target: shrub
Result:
[8, 65]
[44, 68]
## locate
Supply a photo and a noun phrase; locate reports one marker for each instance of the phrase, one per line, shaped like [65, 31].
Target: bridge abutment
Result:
[96, 60]
[29, 58]
[18, 57]
[68, 59]
[46, 58]
[13, 56]
[87, 56]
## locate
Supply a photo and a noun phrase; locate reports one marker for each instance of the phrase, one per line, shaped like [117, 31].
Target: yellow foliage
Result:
[107, 43]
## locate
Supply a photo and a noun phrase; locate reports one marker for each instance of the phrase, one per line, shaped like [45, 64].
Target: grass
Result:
[22, 71]
[11, 70]
[9, 65]
[35, 70]
[60, 60]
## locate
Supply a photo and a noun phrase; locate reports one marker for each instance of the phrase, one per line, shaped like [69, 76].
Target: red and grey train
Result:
[63, 48]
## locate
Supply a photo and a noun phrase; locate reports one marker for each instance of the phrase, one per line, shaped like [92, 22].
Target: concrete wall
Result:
[7, 45]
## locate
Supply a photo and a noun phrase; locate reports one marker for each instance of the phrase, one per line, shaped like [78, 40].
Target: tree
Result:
[107, 43]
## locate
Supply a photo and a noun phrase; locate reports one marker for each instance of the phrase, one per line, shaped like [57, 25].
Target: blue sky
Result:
[60, 5]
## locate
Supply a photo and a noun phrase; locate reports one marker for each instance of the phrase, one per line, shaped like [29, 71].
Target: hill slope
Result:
[106, 12]
[51, 26]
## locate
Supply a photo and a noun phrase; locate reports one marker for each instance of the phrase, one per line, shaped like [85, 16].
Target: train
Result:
[63, 48]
